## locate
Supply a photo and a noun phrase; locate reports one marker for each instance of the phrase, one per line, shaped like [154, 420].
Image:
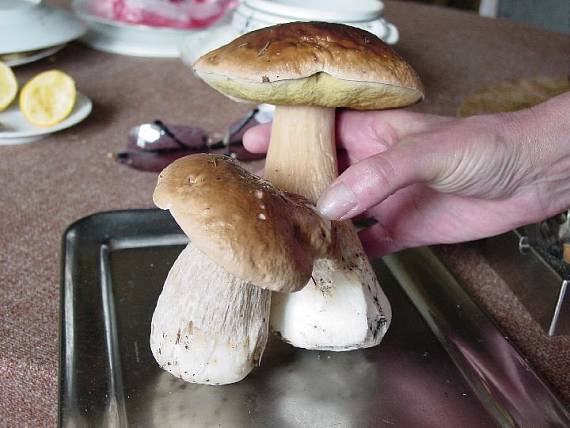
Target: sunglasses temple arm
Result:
[169, 133]
[240, 125]
[233, 130]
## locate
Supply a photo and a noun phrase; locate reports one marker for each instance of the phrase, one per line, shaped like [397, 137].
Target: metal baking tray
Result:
[442, 363]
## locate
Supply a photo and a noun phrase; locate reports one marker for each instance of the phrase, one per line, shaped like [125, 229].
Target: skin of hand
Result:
[431, 179]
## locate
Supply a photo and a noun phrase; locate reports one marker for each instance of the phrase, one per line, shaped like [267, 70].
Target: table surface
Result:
[50, 184]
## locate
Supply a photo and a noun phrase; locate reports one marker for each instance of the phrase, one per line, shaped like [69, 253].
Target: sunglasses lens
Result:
[149, 137]
[153, 146]
[149, 161]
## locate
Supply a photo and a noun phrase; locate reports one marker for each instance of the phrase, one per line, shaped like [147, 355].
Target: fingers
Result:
[343, 160]
[404, 221]
[365, 134]
[377, 242]
[256, 139]
[370, 181]
[362, 134]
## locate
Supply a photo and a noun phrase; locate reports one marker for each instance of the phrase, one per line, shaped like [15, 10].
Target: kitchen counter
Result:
[50, 184]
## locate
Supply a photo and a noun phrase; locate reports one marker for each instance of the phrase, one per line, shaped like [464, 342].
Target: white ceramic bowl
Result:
[318, 10]
[130, 39]
[254, 14]
[28, 25]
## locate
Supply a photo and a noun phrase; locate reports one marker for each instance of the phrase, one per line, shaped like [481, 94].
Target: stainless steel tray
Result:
[443, 363]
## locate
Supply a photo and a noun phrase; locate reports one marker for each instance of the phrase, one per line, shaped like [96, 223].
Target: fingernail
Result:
[336, 201]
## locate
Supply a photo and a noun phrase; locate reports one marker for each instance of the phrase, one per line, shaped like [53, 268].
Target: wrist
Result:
[543, 136]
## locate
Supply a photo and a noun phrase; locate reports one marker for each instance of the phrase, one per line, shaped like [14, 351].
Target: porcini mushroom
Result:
[307, 69]
[210, 324]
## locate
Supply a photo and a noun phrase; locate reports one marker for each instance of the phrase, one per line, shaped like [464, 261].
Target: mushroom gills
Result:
[341, 308]
[209, 326]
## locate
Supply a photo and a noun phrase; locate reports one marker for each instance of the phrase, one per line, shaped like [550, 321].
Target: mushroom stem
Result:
[302, 156]
[343, 306]
[208, 326]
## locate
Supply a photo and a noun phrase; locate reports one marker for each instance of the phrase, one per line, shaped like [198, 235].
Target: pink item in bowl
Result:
[162, 13]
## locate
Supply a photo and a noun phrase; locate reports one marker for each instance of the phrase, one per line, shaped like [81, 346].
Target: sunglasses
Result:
[153, 146]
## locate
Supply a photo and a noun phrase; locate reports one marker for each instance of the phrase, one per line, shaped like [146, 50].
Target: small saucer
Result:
[21, 58]
[15, 129]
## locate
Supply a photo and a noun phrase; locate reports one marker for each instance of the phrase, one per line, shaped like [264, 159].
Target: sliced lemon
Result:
[48, 98]
[8, 86]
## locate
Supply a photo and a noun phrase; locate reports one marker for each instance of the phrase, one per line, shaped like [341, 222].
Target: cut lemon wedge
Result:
[48, 98]
[8, 86]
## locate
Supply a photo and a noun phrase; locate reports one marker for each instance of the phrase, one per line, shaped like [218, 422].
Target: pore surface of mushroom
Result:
[308, 69]
[311, 63]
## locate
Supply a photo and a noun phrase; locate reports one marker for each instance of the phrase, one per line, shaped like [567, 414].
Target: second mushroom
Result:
[210, 324]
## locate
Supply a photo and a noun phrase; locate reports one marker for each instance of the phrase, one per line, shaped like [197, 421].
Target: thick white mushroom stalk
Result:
[208, 326]
[343, 306]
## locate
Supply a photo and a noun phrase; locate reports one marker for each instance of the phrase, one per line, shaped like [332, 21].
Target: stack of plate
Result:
[31, 30]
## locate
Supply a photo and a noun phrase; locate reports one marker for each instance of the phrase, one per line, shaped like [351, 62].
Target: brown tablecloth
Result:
[47, 185]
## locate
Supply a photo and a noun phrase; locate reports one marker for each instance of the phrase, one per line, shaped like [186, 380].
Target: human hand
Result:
[431, 179]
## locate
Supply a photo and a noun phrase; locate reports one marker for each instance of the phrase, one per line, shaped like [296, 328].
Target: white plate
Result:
[22, 58]
[27, 25]
[15, 129]
[131, 39]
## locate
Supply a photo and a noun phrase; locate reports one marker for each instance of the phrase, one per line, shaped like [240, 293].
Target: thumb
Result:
[370, 181]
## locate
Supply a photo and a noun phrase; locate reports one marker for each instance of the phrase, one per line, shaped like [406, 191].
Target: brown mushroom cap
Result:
[243, 223]
[312, 64]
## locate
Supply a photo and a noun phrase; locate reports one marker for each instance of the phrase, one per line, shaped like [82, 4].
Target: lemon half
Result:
[8, 86]
[48, 98]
